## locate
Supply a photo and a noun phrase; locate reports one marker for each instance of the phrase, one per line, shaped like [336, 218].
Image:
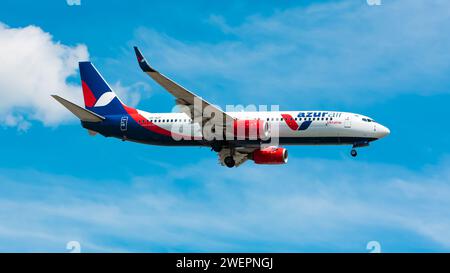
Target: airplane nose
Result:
[382, 131]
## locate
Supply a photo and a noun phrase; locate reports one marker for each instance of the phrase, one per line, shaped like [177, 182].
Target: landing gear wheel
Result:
[229, 161]
[354, 153]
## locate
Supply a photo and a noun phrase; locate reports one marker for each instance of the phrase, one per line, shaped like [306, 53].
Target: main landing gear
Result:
[354, 153]
[229, 157]
[229, 162]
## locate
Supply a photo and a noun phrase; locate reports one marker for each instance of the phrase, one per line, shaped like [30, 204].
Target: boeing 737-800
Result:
[235, 136]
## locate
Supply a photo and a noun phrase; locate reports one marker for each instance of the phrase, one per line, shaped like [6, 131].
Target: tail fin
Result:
[98, 95]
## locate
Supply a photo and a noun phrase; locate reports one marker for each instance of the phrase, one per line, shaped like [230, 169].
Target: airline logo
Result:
[318, 114]
[105, 99]
[312, 114]
[89, 98]
[292, 123]
[307, 116]
[91, 101]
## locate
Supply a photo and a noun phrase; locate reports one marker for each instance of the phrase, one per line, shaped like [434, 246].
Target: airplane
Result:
[245, 135]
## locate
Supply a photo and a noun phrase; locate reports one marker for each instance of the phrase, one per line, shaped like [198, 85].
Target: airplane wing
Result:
[182, 95]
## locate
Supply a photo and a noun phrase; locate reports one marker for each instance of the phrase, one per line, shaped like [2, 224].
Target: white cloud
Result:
[330, 52]
[34, 66]
[18, 121]
[132, 94]
[310, 204]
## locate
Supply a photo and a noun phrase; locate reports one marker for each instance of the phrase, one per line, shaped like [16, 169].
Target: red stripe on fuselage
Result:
[151, 126]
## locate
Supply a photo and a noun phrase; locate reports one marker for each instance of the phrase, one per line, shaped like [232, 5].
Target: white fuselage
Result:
[322, 124]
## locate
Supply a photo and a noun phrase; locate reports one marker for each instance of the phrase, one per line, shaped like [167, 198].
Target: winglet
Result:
[142, 61]
[80, 112]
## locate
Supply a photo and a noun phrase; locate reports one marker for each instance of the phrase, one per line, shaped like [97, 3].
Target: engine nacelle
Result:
[251, 129]
[271, 155]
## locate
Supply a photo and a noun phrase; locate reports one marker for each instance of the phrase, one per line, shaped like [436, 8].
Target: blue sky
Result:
[390, 62]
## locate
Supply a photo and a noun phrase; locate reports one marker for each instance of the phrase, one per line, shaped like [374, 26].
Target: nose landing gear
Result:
[361, 144]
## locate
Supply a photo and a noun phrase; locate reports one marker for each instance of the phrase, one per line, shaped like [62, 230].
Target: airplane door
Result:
[347, 123]
[123, 124]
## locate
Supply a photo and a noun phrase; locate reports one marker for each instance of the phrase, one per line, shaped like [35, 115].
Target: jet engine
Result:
[271, 155]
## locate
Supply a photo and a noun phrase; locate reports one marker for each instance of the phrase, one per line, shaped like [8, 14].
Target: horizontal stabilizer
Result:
[80, 112]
